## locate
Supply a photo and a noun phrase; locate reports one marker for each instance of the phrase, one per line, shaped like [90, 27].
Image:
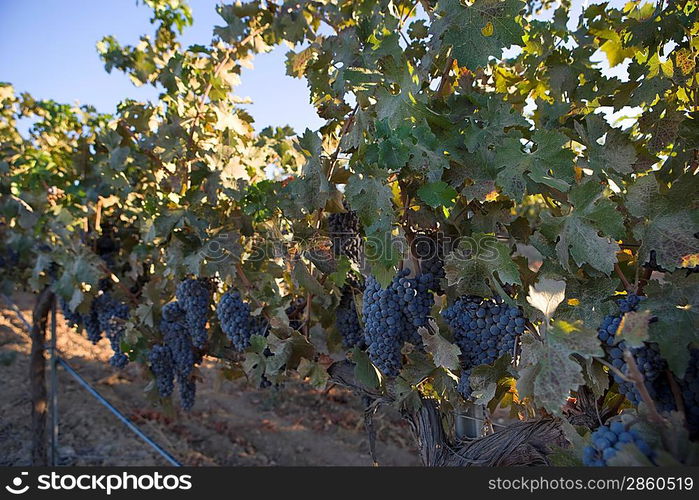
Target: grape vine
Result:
[480, 127]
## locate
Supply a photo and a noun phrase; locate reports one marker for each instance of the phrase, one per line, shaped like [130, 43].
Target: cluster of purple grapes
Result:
[195, 297]
[176, 357]
[106, 315]
[163, 368]
[430, 249]
[295, 312]
[345, 234]
[392, 315]
[9, 258]
[72, 318]
[112, 315]
[484, 329]
[347, 319]
[237, 322]
[651, 364]
[607, 440]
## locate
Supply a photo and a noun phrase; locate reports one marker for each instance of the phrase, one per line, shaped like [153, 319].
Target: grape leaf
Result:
[316, 374]
[484, 379]
[306, 280]
[478, 260]
[617, 154]
[437, 194]
[578, 232]
[444, 353]
[395, 146]
[548, 371]
[551, 163]
[668, 229]
[481, 30]
[311, 190]
[392, 106]
[586, 300]
[372, 199]
[288, 352]
[488, 125]
[675, 305]
[366, 373]
[428, 153]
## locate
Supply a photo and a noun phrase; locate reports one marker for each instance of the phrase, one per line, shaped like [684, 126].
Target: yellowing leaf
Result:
[488, 29]
[691, 260]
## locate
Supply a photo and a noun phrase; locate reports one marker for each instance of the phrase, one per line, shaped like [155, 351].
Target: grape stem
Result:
[615, 370]
[623, 279]
[148, 152]
[643, 280]
[636, 377]
[126, 291]
[445, 80]
[333, 157]
[246, 282]
[409, 234]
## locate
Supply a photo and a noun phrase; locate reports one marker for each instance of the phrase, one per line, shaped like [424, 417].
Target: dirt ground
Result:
[230, 424]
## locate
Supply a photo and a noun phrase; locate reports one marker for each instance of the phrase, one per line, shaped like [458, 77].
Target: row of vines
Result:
[471, 227]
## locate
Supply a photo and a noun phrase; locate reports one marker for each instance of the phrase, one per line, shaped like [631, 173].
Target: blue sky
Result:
[47, 48]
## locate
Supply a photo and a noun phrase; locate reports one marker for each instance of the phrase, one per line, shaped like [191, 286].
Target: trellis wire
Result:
[86, 385]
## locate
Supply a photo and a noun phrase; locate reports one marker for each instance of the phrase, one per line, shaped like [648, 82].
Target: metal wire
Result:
[17, 311]
[86, 385]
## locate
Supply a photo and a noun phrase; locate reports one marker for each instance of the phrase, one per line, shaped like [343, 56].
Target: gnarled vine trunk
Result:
[522, 443]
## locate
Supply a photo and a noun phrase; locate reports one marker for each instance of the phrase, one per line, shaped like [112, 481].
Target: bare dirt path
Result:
[231, 423]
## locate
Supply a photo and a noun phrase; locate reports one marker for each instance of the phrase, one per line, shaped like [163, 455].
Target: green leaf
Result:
[617, 154]
[481, 30]
[428, 153]
[548, 370]
[489, 125]
[305, 280]
[444, 353]
[550, 163]
[484, 379]
[578, 232]
[317, 375]
[476, 262]
[312, 190]
[587, 300]
[364, 371]
[289, 352]
[596, 376]
[372, 199]
[339, 276]
[437, 194]
[668, 226]
[674, 304]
